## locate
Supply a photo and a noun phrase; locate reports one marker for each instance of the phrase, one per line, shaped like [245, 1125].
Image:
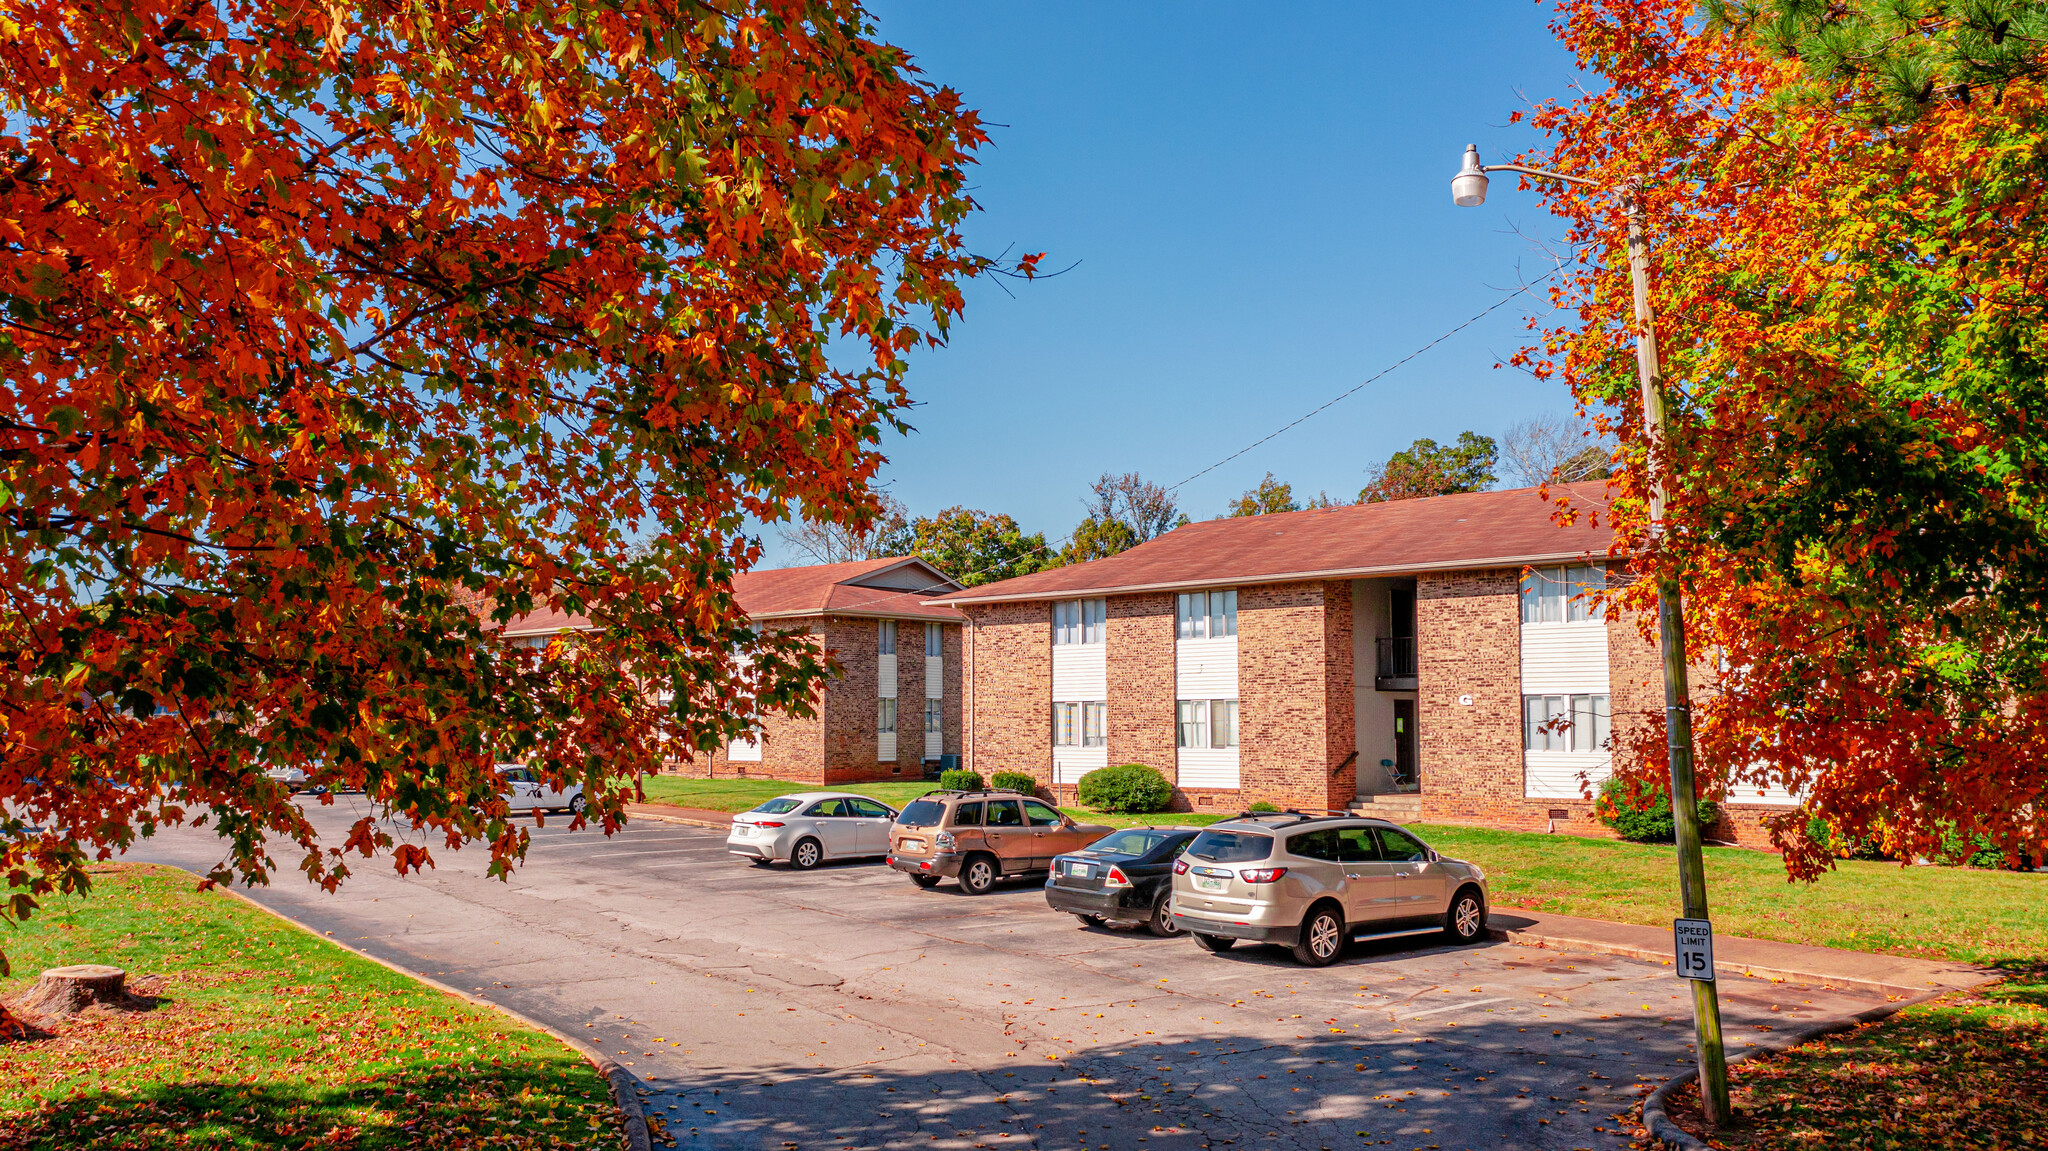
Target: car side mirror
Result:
[1434, 857]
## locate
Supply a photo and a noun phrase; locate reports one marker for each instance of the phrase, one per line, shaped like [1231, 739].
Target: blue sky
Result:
[1258, 202]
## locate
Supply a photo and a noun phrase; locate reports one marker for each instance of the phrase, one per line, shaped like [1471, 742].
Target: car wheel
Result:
[807, 853]
[925, 881]
[1089, 920]
[978, 875]
[576, 805]
[1161, 923]
[1216, 943]
[1465, 922]
[1322, 937]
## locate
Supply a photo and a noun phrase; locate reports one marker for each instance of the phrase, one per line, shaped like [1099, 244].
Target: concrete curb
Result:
[625, 1088]
[1554, 942]
[642, 811]
[1664, 1130]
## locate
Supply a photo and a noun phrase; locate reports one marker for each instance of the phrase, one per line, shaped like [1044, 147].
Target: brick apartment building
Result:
[1406, 658]
[895, 707]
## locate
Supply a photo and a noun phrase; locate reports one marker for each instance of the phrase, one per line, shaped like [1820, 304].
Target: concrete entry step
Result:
[1394, 808]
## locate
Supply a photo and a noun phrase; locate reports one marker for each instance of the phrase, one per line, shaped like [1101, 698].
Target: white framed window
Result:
[1565, 722]
[1559, 594]
[885, 721]
[934, 640]
[885, 633]
[1206, 723]
[1222, 723]
[1084, 724]
[934, 716]
[1207, 614]
[1079, 621]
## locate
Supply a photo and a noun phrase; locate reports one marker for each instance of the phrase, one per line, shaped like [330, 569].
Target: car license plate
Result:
[912, 845]
[1211, 883]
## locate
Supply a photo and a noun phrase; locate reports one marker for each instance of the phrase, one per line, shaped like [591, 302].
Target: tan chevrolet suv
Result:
[1313, 882]
[979, 837]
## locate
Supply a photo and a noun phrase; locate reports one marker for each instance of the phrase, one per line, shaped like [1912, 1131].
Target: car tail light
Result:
[1180, 867]
[767, 823]
[944, 840]
[1262, 874]
[1115, 878]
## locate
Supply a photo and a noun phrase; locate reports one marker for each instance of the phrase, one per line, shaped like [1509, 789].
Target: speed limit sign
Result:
[1694, 940]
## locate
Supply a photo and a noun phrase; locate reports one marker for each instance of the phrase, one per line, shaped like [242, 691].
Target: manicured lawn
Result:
[1963, 1072]
[1933, 912]
[263, 1036]
[742, 794]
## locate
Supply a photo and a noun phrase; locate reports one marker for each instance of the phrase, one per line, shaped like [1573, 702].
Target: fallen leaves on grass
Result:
[1967, 1072]
[265, 1037]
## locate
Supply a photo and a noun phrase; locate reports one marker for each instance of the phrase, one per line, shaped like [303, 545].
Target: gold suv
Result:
[979, 837]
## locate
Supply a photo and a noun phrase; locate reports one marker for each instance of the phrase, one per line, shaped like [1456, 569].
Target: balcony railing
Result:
[1395, 669]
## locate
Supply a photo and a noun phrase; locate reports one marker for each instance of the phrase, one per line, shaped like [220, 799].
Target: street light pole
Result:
[1468, 189]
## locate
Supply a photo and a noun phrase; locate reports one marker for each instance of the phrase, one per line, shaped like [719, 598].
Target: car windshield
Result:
[1136, 841]
[1231, 846]
[922, 813]
[777, 807]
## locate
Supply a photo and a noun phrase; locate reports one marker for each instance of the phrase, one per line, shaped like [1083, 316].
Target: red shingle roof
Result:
[1443, 533]
[830, 588]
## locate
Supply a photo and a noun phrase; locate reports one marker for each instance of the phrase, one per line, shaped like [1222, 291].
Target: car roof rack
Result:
[1291, 816]
[975, 791]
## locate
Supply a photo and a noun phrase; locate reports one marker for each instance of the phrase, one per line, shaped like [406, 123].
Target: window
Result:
[1207, 723]
[1066, 725]
[1558, 594]
[1400, 847]
[1003, 813]
[867, 809]
[1223, 723]
[1208, 614]
[967, 815]
[1564, 722]
[1194, 723]
[1080, 724]
[1356, 845]
[1315, 845]
[1079, 621]
[934, 640]
[1231, 847]
[830, 807]
[1039, 815]
[934, 715]
[886, 637]
[886, 723]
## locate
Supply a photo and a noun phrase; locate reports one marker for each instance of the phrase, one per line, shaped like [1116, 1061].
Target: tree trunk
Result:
[70, 990]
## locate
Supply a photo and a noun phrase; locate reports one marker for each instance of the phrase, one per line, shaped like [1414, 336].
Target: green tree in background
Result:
[1270, 496]
[1427, 468]
[1123, 512]
[978, 547]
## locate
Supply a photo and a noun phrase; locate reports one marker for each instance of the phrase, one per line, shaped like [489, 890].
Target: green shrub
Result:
[1022, 781]
[1641, 812]
[1841, 846]
[1132, 787]
[1262, 807]
[960, 780]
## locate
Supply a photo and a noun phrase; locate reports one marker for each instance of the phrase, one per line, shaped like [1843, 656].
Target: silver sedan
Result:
[809, 827]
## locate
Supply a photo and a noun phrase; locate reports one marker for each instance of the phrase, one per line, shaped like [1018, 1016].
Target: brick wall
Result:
[791, 749]
[1468, 644]
[1009, 658]
[954, 709]
[1294, 689]
[1139, 655]
[909, 761]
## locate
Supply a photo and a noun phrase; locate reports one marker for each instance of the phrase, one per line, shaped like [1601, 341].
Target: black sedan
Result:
[1124, 877]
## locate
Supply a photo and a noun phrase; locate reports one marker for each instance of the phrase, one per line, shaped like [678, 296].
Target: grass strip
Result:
[1965, 1072]
[263, 1036]
[1954, 913]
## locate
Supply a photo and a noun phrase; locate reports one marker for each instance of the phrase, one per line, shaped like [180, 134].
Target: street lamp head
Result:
[1468, 187]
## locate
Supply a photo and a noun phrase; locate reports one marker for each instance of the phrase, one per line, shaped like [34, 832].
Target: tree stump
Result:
[70, 990]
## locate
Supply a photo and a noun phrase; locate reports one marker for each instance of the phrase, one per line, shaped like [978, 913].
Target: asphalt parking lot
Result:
[845, 1008]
